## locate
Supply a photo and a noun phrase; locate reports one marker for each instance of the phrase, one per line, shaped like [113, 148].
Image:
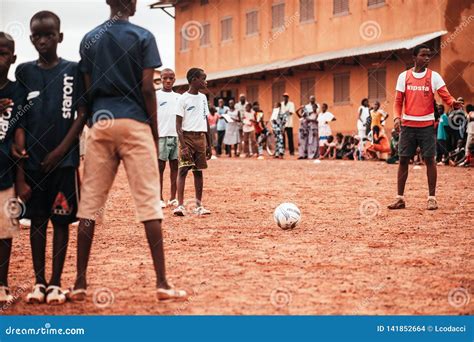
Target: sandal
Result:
[38, 295]
[168, 295]
[5, 296]
[55, 295]
[77, 295]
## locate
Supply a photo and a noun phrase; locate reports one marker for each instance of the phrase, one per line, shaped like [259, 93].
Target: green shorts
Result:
[168, 148]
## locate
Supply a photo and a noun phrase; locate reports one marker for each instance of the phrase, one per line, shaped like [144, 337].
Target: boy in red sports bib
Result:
[415, 94]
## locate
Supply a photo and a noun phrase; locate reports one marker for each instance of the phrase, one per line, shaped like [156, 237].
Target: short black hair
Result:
[120, 4]
[416, 49]
[45, 15]
[193, 73]
[10, 42]
[469, 108]
[363, 100]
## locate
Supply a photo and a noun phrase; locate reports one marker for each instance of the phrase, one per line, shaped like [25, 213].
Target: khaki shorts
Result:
[196, 143]
[10, 210]
[168, 147]
[124, 140]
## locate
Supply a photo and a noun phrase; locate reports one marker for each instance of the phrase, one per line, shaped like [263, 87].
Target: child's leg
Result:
[60, 242]
[38, 247]
[154, 236]
[85, 235]
[432, 174]
[5, 252]
[162, 167]
[198, 186]
[173, 178]
[402, 174]
[182, 173]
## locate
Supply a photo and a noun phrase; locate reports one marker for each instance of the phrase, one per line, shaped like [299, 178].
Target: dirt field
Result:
[349, 255]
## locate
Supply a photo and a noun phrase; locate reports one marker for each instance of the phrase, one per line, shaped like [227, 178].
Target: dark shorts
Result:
[196, 158]
[54, 195]
[413, 137]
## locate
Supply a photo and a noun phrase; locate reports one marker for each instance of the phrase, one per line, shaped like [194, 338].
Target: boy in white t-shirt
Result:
[324, 118]
[194, 138]
[168, 142]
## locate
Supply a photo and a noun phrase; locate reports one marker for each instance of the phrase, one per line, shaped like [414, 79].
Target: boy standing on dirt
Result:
[48, 178]
[194, 139]
[119, 70]
[415, 94]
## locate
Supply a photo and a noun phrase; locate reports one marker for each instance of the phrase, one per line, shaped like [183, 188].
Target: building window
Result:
[206, 35]
[184, 42]
[226, 29]
[252, 23]
[341, 88]
[377, 85]
[375, 3]
[278, 15]
[252, 93]
[306, 10]
[306, 89]
[340, 7]
[278, 88]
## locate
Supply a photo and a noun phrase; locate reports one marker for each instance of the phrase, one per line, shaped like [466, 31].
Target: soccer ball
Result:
[287, 216]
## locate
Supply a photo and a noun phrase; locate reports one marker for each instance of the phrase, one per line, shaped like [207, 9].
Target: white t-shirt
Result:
[194, 110]
[289, 107]
[248, 125]
[167, 109]
[363, 117]
[436, 80]
[323, 124]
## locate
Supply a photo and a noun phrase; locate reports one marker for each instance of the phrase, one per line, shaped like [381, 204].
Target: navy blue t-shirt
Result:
[54, 94]
[115, 54]
[8, 121]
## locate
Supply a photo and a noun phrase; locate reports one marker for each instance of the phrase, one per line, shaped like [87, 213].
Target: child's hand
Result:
[17, 153]
[51, 160]
[23, 190]
[4, 104]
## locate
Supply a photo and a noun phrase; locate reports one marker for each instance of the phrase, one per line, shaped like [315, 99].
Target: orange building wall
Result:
[396, 20]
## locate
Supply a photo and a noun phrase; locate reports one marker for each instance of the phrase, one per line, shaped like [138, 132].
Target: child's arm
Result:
[209, 142]
[53, 158]
[149, 95]
[22, 189]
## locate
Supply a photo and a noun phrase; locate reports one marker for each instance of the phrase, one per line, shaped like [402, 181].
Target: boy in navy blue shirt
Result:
[11, 110]
[48, 179]
[118, 59]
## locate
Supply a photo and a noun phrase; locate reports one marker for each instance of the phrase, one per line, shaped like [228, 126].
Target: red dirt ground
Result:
[339, 260]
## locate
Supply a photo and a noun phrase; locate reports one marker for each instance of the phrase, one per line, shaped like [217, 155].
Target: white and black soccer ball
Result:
[287, 216]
